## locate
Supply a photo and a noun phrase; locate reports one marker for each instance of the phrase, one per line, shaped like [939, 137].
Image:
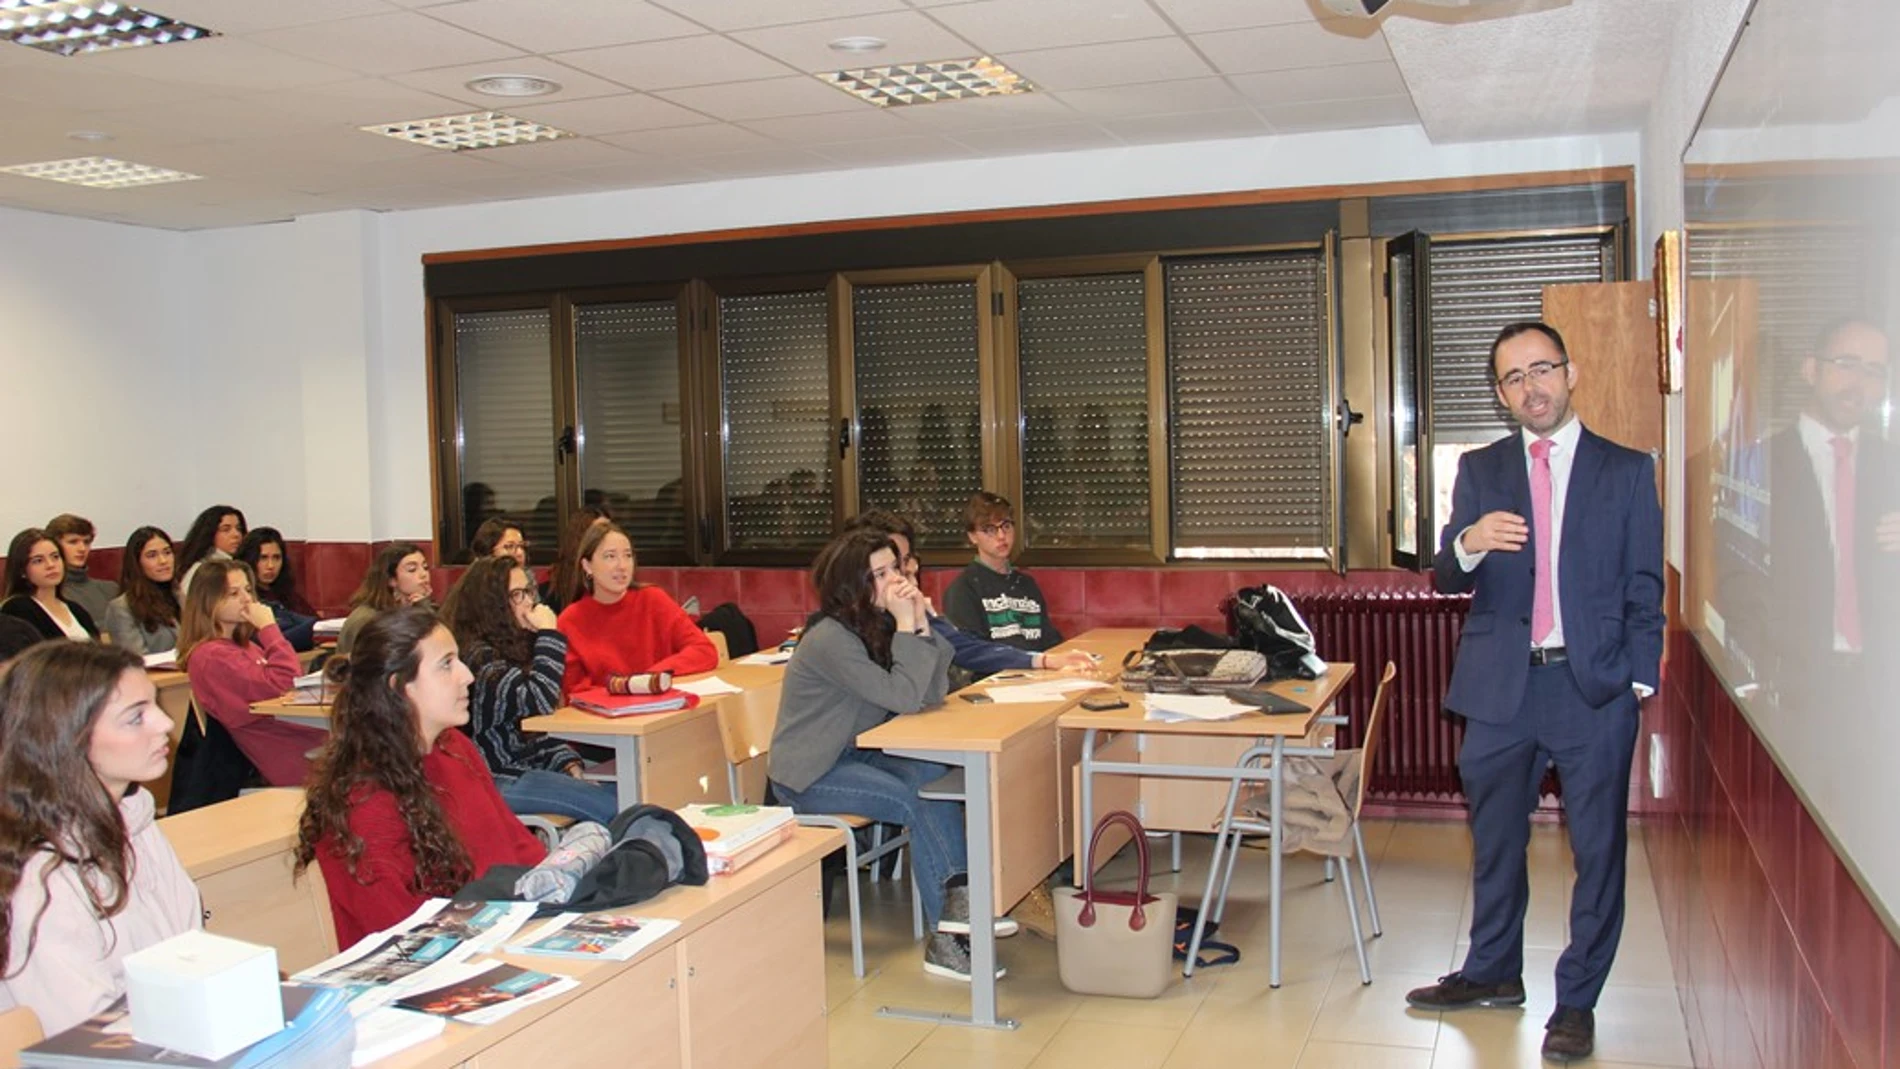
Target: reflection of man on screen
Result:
[1835, 529]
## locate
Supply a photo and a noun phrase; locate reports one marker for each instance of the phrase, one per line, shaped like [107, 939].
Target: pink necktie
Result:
[1543, 619]
[1846, 591]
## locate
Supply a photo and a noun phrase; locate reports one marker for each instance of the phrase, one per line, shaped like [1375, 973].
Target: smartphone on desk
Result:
[1102, 703]
[976, 698]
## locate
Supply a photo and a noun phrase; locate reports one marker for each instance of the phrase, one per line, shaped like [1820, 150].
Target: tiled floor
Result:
[1321, 1017]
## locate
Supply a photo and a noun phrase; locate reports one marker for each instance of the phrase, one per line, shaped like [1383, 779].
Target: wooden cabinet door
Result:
[630, 1020]
[771, 943]
[258, 902]
[1611, 335]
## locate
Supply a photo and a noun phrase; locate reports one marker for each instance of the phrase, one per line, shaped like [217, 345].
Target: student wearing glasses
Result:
[144, 618]
[74, 535]
[499, 536]
[990, 598]
[510, 644]
[35, 569]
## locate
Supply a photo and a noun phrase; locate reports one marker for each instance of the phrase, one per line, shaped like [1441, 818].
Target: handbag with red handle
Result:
[1117, 943]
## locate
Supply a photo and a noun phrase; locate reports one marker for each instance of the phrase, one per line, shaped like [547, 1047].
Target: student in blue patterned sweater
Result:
[510, 644]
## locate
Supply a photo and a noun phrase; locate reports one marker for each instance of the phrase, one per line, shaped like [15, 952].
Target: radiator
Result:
[1416, 629]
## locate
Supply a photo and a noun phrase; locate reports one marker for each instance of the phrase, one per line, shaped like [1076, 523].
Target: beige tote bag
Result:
[1115, 942]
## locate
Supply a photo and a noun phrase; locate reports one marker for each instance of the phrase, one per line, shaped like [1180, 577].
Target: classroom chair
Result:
[547, 827]
[745, 727]
[1248, 817]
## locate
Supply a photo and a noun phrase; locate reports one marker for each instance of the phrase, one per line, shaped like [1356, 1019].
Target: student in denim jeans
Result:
[869, 653]
[509, 642]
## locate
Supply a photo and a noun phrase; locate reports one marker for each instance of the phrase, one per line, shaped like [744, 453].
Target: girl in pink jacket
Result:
[85, 873]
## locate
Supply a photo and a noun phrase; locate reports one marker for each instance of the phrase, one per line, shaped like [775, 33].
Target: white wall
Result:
[95, 372]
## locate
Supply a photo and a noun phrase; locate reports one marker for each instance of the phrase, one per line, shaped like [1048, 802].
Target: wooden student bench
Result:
[740, 983]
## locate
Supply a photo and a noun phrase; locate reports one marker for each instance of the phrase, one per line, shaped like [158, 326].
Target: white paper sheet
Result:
[710, 687]
[1047, 690]
[1193, 707]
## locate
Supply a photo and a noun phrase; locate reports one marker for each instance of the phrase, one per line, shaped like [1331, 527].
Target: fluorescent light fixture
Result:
[99, 172]
[927, 83]
[458, 133]
[70, 28]
[513, 85]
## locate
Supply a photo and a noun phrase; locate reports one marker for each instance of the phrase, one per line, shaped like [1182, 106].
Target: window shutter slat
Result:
[774, 367]
[915, 366]
[1082, 351]
[506, 396]
[626, 359]
[1250, 427]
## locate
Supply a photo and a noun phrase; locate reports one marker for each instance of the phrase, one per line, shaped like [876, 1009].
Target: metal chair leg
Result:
[1329, 870]
[877, 841]
[1177, 851]
[1352, 913]
[1365, 870]
[851, 896]
[1213, 871]
[1227, 881]
[916, 908]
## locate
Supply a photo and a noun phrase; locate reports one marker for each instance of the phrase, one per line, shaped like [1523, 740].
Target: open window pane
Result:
[505, 392]
[915, 366]
[627, 377]
[1251, 422]
[1082, 353]
[775, 374]
[1406, 302]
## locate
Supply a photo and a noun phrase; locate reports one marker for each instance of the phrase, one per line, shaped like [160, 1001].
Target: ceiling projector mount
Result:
[1365, 9]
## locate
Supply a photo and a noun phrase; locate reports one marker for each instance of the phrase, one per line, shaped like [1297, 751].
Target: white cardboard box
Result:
[203, 994]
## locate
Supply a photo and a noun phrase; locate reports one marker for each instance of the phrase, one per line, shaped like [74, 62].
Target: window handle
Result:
[1348, 419]
[564, 444]
[844, 436]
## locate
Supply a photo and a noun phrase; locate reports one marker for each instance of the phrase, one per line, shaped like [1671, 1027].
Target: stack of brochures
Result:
[318, 1033]
[594, 936]
[599, 700]
[737, 835]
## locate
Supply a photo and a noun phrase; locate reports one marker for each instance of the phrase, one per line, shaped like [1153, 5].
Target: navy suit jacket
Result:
[1609, 574]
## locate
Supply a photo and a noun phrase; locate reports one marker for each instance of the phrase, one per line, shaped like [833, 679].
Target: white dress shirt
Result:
[1818, 440]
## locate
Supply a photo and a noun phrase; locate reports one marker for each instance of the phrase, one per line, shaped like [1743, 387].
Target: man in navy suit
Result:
[1559, 533]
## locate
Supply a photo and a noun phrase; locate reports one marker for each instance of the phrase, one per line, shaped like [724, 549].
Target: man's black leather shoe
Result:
[1570, 1035]
[1454, 992]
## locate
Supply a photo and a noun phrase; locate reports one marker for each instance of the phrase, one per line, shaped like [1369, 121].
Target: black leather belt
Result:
[1549, 655]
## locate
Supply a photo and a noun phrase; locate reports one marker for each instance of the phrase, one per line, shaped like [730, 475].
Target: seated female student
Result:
[509, 642]
[564, 585]
[214, 535]
[234, 654]
[623, 628]
[401, 807]
[867, 654]
[397, 578]
[499, 536]
[144, 617]
[74, 535]
[86, 875]
[263, 549]
[35, 569]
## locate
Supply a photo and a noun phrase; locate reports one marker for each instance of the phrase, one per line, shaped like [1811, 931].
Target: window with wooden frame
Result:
[1448, 297]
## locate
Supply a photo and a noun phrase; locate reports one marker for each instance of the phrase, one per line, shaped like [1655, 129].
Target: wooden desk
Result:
[315, 715]
[1215, 767]
[741, 982]
[1013, 766]
[671, 759]
[239, 854]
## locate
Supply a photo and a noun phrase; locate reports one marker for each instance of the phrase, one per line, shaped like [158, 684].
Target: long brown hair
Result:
[590, 545]
[17, 552]
[846, 593]
[153, 605]
[51, 800]
[564, 582]
[198, 623]
[375, 591]
[479, 613]
[375, 744]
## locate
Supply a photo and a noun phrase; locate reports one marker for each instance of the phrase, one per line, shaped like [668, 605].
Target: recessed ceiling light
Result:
[88, 135]
[857, 44]
[928, 83]
[458, 133]
[513, 85]
[70, 28]
[99, 172]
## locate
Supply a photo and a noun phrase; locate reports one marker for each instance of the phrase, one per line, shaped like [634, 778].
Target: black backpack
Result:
[209, 768]
[725, 618]
[1265, 620]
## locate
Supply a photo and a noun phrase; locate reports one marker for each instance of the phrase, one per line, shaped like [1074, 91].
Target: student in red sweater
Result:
[401, 807]
[623, 628]
[234, 654]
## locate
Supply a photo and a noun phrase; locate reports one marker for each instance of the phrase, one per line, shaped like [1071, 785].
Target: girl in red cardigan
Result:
[623, 628]
[233, 653]
[401, 807]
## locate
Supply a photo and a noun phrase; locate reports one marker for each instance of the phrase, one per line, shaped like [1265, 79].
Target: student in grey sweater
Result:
[74, 534]
[868, 654]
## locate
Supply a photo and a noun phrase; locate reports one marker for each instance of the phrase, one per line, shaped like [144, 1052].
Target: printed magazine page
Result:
[593, 936]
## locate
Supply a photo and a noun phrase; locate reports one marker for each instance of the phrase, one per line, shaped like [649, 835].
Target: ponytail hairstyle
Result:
[842, 574]
[376, 744]
[565, 585]
[52, 802]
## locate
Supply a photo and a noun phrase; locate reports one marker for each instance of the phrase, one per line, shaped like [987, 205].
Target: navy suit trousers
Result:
[1502, 766]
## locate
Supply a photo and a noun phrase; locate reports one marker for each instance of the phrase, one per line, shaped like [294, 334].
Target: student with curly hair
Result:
[144, 617]
[86, 876]
[214, 535]
[400, 807]
[508, 640]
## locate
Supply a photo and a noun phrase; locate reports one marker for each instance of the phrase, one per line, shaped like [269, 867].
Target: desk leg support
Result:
[1276, 791]
[627, 771]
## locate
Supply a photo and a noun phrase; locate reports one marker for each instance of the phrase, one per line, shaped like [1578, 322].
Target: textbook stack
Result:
[737, 835]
